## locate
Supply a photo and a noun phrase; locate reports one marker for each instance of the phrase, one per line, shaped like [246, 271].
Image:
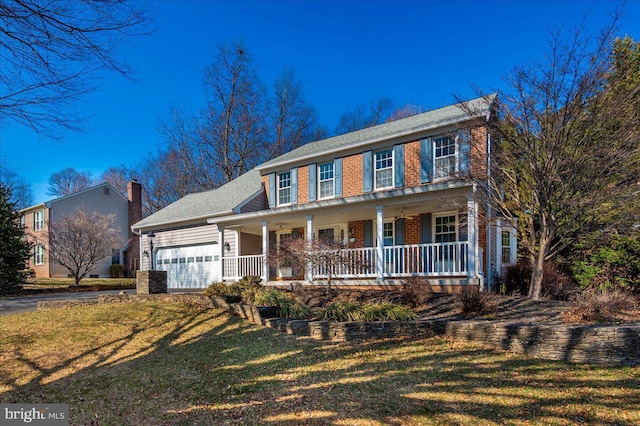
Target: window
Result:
[505, 244]
[38, 255]
[208, 258]
[384, 169]
[445, 229]
[190, 259]
[115, 256]
[326, 182]
[445, 157]
[284, 188]
[198, 258]
[38, 220]
[22, 221]
[387, 234]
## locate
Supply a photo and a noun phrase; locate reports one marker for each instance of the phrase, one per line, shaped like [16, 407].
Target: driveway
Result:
[16, 305]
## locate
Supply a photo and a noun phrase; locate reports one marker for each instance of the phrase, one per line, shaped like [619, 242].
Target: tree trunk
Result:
[535, 288]
[77, 278]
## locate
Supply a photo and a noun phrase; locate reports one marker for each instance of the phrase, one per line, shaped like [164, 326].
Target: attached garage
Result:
[189, 266]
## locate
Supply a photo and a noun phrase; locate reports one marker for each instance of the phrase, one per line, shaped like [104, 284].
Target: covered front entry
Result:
[188, 266]
[434, 235]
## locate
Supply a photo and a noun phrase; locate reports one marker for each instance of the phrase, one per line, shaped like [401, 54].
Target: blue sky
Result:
[345, 53]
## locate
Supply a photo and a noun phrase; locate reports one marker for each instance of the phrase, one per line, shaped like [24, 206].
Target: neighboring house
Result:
[400, 195]
[103, 199]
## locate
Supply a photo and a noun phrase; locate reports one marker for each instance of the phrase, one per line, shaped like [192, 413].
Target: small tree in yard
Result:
[80, 241]
[322, 254]
[14, 249]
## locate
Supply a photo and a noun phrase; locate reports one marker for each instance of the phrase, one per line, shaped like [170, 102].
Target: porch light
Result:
[227, 246]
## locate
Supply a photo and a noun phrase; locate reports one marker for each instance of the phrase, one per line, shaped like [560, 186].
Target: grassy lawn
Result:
[157, 364]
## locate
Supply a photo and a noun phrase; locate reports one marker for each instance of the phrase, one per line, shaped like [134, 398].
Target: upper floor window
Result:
[38, 220]
[445, 229]
[326, 180]
[22, 222]
[284, 188]
[38, 254]
[445, 157]
[505, 245]
[384, 169]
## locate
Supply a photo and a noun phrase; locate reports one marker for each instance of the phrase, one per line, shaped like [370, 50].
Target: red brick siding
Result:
[358, 233]
[479, 152]
[412, 230]
[303, 185]
[412, 164]
[265, 183]
[352, 175]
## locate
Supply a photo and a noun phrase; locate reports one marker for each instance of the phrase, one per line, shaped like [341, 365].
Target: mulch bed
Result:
[73, 289]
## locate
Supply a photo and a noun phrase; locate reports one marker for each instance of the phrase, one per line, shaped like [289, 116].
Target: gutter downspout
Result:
[139, 234]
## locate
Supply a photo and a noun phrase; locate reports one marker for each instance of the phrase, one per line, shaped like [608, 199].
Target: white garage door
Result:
[188, 267]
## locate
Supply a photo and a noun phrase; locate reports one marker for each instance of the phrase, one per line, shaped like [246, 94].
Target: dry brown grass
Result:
[595, 305]
[170, 364]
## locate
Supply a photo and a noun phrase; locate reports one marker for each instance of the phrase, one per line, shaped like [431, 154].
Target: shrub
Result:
[555, 284]
[415, 291]
[474, 302]
[353, 311]
[117, 271]
[342, 311]
[286, 307]
[387, 312]
[613, 261]
[241, 290]
[600, 305]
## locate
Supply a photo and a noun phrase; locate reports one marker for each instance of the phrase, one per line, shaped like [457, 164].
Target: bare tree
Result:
[292, 122]
[53, 53]
[325, 255]
[20, 190]
[118, 177]
[406, 111]
[363, 116]
[567, 156]
[68, 181]
[233, 131]
[79, 242]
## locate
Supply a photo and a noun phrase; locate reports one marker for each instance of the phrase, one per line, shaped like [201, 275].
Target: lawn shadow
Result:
[205, 367]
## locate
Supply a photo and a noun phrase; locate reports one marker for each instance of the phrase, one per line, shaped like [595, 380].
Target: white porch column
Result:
[380, 244]
[472, 237]
[309, 270]
[219, 253]
[265, 251]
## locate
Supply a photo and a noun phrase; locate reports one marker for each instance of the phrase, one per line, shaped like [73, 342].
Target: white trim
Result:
[278, 189]
[332, 180]
[391, 168]
[454, 213]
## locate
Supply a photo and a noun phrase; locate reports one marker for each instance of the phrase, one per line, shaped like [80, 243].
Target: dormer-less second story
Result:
[449, 144]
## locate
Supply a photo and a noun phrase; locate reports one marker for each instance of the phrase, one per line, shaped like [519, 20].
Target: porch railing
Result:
[442, 259]
[234, 268]
[434, 259]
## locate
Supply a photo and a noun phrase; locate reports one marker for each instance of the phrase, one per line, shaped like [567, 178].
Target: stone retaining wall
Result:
[594, 344]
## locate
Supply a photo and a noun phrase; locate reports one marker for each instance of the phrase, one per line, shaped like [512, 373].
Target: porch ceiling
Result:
[349, 212]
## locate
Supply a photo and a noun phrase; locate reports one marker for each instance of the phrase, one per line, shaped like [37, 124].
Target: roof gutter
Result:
[186, 219]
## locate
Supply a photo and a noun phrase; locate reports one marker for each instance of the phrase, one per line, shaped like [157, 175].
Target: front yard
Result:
[158, 364]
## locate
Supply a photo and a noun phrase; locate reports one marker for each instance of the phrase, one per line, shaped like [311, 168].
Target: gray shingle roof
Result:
[208, 203]
[419, 122]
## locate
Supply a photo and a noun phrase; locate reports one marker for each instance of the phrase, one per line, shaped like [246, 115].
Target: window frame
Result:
[388, 168]
[38, 254]
[282, 188]
[332, 180]
[38, 220]
[454, 156]
[456, 223]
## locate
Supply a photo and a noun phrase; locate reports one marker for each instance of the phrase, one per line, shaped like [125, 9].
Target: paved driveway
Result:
[16, 305]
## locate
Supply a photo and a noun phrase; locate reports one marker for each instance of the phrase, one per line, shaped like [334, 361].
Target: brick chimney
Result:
[134, 194]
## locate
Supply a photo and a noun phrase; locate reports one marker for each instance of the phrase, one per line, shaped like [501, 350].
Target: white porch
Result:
[427, 260]
[431, 235]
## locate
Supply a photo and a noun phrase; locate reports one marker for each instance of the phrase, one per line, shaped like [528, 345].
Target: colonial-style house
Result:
[103, 199]
[403, 197]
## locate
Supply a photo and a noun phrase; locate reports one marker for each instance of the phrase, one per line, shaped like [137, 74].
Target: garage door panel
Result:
[188, 267]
